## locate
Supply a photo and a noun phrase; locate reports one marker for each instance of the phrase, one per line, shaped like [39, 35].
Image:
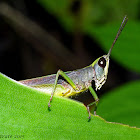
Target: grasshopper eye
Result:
[102, 62]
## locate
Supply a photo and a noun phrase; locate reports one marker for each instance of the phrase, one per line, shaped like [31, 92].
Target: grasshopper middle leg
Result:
[95, 102]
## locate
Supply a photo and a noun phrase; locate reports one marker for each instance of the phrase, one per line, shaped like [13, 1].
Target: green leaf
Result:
[127, 48]
[122, 105]
[24, 112]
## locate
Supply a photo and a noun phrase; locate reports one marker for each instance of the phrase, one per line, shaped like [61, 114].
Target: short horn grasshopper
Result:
[78, 81]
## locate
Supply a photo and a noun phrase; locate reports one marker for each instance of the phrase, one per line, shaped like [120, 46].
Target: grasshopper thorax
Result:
[100, 67]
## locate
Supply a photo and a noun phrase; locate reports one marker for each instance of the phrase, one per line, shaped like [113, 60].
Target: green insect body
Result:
[78, 81]
[82, 78]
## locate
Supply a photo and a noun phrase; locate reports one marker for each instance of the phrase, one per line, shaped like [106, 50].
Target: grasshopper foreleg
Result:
[95, 102]
[60, 72]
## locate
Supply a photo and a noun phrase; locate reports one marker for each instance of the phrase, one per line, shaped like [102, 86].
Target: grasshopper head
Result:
[101, 64]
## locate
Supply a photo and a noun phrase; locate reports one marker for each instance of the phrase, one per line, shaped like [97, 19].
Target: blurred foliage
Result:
[90, 16]
[24, 112]
[90, 12]
[122, 104]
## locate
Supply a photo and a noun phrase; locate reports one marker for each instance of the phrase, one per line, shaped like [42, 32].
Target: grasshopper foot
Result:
[89, 117]
[49, 104]
[94, 112]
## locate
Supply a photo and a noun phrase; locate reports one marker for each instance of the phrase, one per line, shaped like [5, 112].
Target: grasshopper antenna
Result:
[118, 33]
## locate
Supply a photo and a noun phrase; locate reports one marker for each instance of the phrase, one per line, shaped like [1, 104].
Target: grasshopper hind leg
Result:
[60, 72]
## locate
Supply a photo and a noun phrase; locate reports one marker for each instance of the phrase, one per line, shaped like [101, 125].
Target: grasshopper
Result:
[77, 81]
